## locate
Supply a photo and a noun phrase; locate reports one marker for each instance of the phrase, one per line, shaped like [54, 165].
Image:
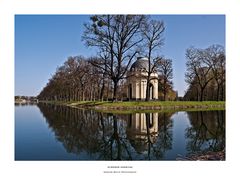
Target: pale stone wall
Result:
[139, 85]
[155, 88]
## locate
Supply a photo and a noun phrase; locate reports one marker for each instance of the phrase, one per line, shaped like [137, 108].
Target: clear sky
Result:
[44, 42]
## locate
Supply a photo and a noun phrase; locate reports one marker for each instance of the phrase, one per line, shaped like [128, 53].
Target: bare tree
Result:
[117, 36]
[152, 33]
[197, 70]
[166, 75]
[71, 82]
[206, 73]
[214, 57]
[153, 40]
[100, 64]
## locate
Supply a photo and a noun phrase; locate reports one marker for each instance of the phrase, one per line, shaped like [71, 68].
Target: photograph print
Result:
[120, 87]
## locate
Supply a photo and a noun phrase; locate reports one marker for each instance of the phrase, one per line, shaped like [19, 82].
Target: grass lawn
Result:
[143, 106]
[151, 105]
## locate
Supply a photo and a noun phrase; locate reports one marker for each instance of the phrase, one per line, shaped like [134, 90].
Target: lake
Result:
[53, 132]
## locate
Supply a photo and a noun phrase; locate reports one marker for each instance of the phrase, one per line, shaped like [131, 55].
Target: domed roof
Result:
[140, 63]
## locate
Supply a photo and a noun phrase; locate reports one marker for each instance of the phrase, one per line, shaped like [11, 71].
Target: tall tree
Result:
[117, 36]
[166, 75]
[206, 73]
[152, 33]
[214, 57]
[197, 70]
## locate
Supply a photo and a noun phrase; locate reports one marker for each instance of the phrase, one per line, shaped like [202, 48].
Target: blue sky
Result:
[44, 42]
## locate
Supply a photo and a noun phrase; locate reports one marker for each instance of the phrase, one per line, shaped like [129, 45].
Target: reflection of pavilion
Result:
[142, 129]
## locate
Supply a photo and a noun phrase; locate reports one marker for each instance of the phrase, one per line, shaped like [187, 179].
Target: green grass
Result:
[142, 106]
[151, 105]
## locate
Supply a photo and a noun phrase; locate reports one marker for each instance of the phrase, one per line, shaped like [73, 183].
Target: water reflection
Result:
[138, 136]
[150, 133]
[25, 104]
[206, 132]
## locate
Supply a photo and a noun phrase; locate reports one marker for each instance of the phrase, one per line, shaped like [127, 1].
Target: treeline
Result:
[25, 99]
[206, 73]
[76, 80]
[118, 40]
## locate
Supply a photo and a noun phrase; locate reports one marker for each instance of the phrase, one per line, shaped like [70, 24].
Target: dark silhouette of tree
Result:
[100, 136]
[214, 56]
[117, 37]
[197, 70]
[166, 75]
[152, 32]
[207, 131]
[205, 73]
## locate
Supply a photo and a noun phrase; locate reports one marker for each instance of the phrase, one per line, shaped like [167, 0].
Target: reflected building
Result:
[142, 129]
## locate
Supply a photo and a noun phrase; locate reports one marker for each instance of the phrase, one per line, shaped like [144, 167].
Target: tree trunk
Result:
[164, 91]
[223, 92]
[218, 91]
[102, 91]
[201, 94]
[147, 92]
[115, 87]
[148, 89]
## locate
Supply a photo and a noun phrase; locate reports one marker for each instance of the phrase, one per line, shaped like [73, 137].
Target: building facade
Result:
[137, 81]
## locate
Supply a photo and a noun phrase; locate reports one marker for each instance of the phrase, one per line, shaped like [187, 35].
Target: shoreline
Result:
[206, 156]
[134, 106]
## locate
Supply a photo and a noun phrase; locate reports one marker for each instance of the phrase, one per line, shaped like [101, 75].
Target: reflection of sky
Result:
[180, 123]
[33, 138]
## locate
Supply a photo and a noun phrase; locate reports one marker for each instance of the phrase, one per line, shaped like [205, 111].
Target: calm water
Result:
[49, 132]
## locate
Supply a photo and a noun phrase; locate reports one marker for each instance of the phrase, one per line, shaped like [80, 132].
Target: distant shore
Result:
[143, 105]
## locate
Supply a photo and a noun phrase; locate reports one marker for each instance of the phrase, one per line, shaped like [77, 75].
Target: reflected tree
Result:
[100, 136]
[76, 129]
[165, 131]
[103, 136]
[115, 145]
[207, 131]
[119, 142]
[163, 141]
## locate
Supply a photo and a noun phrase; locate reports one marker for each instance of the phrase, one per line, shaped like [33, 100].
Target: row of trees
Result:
[206, 73]
[118, 40]
[78, 80]
[75, 80]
